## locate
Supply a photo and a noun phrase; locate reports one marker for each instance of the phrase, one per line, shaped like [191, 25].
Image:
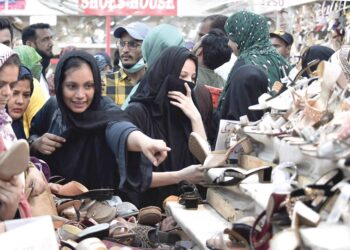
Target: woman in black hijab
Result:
[80, 135]
[253, 82]
[315, 52]
[163, 109]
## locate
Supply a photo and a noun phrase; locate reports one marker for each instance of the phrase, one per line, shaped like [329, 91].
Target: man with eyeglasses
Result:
[119, 84]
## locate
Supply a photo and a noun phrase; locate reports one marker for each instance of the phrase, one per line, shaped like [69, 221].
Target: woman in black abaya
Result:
[163, 109]
[83, 135]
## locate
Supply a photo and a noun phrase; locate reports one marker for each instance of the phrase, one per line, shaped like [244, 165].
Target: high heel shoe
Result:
[235, 175]
[199, 148]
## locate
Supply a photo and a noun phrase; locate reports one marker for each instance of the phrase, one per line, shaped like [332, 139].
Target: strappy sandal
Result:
[234, 175]
[120, 231]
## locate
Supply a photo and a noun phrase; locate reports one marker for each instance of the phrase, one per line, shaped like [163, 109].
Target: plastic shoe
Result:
[14, 160]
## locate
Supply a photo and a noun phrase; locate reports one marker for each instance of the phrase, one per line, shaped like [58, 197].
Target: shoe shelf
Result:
[199, 224]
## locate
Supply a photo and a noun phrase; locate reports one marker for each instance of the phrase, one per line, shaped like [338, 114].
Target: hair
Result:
[73, 63]
[6, 24]
[26, 76]
[12, 60]
[29, 33]
[216, 52]
[217, 21]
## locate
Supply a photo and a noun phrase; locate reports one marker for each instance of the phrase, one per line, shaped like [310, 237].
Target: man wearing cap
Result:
[119, 84]
[282, 41]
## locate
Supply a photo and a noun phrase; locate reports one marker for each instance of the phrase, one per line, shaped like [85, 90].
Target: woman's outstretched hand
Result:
[155, 150]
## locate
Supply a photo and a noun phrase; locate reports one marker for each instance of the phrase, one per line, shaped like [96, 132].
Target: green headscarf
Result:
[30, 58]
[251, 33]
[158, 39]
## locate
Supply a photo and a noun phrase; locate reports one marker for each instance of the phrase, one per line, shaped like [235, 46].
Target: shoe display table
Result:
[246, 199]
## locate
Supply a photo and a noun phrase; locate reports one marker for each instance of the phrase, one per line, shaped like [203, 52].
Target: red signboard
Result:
[12, 4]
[129, 7]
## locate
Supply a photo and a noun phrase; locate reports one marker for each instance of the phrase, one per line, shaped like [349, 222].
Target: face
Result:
[204, 29]
[129, 50]
[282, 48]
[19, 100]
[43, 42]
[8, 77]
[5, 37]
[78, 88]
[234, 47]
[188, 71]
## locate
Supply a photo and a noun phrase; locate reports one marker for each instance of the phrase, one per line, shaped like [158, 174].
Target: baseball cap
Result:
[136, 30]
[286, 37]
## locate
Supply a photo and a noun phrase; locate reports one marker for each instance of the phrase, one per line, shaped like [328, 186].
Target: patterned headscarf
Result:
[250, 32]
[5, 53]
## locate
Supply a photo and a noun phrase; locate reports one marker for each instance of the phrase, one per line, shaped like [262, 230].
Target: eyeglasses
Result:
[130, 44]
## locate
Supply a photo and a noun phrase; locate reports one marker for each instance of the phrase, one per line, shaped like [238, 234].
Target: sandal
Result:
[199, 147]
[14, 160]
[149, 216]
[219, 241]
[120, 230]
[92, 243]
[234, 175]
[77, 191]
[100, 211]
[221, 157]
[151, 237]
[71, 232]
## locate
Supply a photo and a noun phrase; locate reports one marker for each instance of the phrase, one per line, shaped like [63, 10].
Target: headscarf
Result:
[151, 111]
[5, 53]
[31, 59]
[342, 58]
[103, 60]
[86, 156]
[17, 125]
[322, 53]
[158, 39]
[251, 33]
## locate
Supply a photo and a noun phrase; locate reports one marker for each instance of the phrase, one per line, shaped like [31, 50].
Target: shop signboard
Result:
[12, 4]
[129, 7]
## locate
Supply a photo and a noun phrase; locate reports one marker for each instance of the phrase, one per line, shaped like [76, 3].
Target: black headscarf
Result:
[151, 111]
[250, 83]
[85, 156]
[322, 53]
